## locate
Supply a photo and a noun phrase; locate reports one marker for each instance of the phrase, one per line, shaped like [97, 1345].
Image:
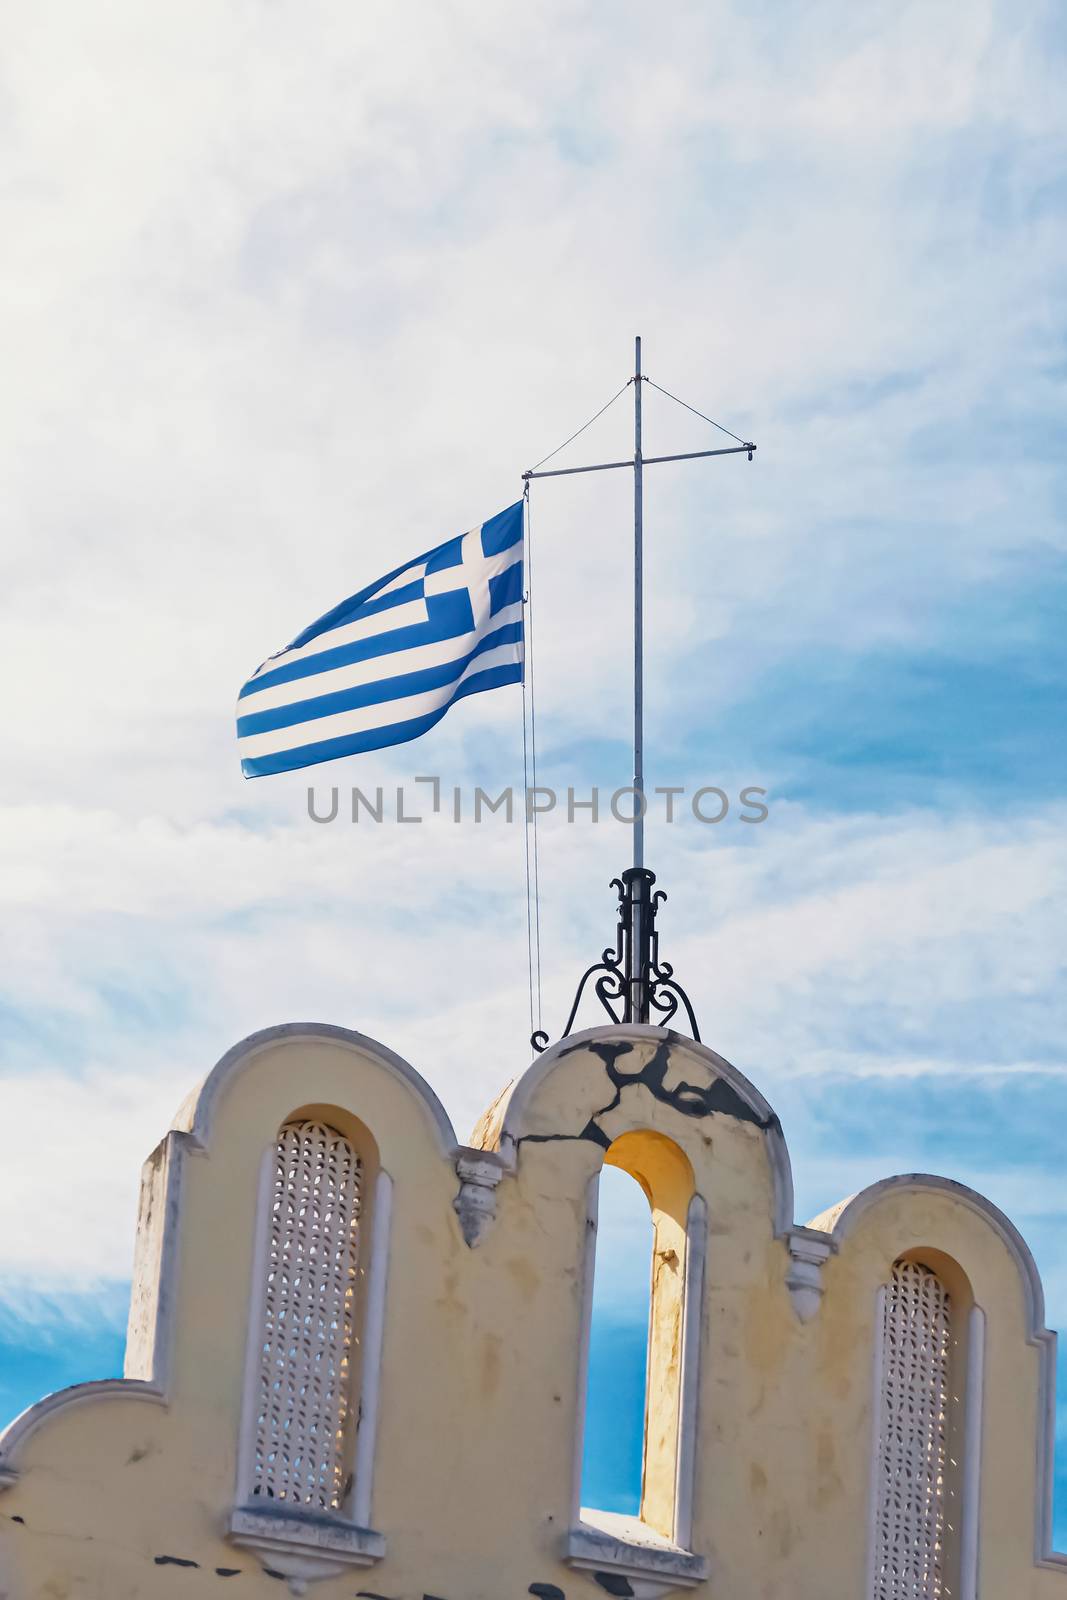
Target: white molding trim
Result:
[809, 1252]
[253, 1336]
[27, 1422]
[304, 1548]
[373, 1341]
[588, 1270]
[199, 1111]
[602, 1541]
[839, 1222]
[479, 1172]
[874, 1485]
[696, 1244]
[971, 1487]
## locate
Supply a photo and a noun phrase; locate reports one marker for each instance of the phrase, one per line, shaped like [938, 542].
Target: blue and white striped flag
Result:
[385, 665]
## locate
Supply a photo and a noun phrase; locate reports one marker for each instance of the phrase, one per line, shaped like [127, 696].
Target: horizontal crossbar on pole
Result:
[646, 461]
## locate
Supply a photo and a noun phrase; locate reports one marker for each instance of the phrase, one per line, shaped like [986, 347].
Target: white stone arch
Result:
[650, 1563]
[841, 1220]
[155, 1287]
[197, 1112]
[505, 1124]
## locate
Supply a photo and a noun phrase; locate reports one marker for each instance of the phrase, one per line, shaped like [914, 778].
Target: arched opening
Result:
[315, 1319]
[928, 1432]
[644, 1337]
[313, 1357]
[618, 1348]
[308, 1284]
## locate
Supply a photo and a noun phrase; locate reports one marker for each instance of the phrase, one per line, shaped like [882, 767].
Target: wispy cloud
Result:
[291, 295]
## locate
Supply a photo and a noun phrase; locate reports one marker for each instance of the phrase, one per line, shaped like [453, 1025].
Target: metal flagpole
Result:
[637, 881]
[630, 980]
[639, 623]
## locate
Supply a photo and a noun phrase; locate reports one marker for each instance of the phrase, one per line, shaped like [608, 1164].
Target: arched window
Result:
[309, 1416]
[618, 1347]
[669, 1257]
[308, 1279]
[926, 1488]
[913, 1430]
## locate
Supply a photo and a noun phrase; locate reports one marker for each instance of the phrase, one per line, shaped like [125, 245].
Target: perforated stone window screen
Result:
[308, 1319]
[912, 1452]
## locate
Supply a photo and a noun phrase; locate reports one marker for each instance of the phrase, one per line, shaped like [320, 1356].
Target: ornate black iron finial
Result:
[633, 982]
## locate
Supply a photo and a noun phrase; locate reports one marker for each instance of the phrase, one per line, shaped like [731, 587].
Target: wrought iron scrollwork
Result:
[630, 981]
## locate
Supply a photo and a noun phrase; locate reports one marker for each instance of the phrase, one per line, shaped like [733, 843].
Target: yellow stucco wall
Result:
[120, 1495]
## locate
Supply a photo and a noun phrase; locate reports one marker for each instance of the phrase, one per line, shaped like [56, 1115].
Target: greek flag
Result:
[385, 665]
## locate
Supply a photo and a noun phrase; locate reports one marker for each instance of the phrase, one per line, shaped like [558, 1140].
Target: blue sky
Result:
[292, 296]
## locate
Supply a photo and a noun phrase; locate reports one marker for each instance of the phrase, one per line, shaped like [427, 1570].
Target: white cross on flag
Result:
[386, 664]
